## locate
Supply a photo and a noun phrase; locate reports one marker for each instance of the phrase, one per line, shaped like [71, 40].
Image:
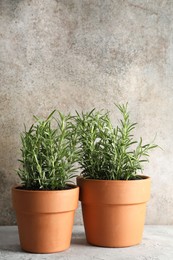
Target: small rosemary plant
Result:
[48, 154]
[107, 152]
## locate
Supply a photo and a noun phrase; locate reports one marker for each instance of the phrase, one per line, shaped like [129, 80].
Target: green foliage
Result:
[48, 154]
[109, 153]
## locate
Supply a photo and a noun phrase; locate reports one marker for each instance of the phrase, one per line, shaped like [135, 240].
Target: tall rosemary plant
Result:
[49, 154]
[107, 152]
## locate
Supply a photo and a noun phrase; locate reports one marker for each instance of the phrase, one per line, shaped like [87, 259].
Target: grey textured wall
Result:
[80, 54]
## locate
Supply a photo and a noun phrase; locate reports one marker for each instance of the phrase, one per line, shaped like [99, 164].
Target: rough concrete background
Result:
[76, 55]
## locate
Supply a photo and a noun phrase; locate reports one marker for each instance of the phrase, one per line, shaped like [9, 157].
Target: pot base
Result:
[114, 226]
[45, 233]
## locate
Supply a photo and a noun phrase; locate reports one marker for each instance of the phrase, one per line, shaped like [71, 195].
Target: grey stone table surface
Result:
[157, 244]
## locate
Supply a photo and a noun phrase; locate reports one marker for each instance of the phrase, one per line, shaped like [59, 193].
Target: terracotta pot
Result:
[45, 218]
[114, 211]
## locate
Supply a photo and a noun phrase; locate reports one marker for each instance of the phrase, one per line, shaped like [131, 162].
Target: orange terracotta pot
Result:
[114, 211]
[45, 218]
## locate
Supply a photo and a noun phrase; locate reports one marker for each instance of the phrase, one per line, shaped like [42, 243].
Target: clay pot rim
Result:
[144, 178]
[17, 189]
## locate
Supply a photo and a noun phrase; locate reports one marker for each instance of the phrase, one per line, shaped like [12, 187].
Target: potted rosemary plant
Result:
[46, 200]
[112, 192]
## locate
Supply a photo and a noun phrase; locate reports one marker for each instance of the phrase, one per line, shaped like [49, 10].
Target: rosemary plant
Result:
[107, 152]
[48, 154]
